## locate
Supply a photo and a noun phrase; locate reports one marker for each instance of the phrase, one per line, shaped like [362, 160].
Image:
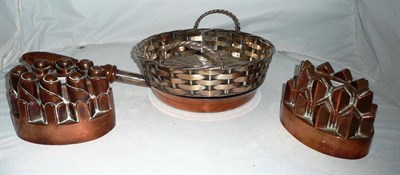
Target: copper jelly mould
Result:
[328, 111]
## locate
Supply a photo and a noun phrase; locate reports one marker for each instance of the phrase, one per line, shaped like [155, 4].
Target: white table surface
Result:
[146, 140]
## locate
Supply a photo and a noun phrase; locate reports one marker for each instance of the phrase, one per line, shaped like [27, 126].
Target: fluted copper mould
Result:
[53, 103]
[328, 111]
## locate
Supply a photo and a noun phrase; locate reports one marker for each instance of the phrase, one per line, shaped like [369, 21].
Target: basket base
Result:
[321, 141]
[202, 104]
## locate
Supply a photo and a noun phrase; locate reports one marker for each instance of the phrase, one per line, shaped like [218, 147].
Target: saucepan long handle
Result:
[53, 60]
[130, 78]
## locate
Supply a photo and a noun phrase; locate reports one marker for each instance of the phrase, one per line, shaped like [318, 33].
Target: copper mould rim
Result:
[203, 104]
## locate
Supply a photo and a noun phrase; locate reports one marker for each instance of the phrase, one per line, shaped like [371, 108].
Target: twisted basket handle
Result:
[221, 11]
[214, 56]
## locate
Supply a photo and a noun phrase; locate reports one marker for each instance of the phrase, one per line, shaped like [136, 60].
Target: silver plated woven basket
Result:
[205, 62]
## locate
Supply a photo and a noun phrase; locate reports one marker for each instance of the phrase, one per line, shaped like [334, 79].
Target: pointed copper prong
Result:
[344, 76]
[305, 77]
[364, 102]
[289, 91]
[366, 126]
[367, 122]
[318, 90]
[348, 124]
[360, 85]
[321, 115]
[340, 98]
[374, 108]
[325, 68]
[302, 80]
[306, 64]
[301, 104]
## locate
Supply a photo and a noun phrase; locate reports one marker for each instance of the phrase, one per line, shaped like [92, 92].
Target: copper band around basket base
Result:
[203, 104]
[322, 141]
[85, 130]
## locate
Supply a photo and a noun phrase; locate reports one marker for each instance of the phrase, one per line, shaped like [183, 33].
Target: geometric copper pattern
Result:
[61, 102]
[332, 104]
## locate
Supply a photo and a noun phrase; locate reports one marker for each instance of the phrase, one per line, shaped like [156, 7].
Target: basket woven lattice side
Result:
[205, 62]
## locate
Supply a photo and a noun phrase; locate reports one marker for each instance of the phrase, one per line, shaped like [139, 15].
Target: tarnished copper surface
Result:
[203, 104]
[53, 103]
[328, 111]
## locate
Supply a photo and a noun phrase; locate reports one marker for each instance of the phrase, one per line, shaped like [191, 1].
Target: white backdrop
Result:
[361, 35]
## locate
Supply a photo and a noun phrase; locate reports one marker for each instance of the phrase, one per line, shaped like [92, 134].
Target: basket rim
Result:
[141, 55]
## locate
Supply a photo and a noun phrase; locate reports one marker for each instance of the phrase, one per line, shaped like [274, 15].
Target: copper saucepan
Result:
[200, 70]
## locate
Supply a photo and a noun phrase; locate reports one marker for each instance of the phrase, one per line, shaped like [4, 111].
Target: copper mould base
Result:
[203, 104]
[321, 141]
[329, 112]
[83, 131]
